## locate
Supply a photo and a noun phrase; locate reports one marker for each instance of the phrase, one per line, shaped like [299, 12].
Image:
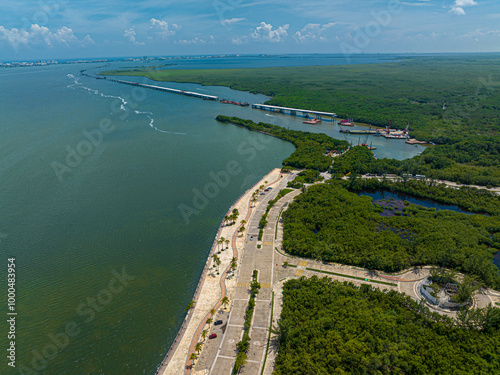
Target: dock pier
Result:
[324, 116]
[167, 89]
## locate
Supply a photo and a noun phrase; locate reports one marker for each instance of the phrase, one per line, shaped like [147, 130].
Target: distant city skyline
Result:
[58, 29]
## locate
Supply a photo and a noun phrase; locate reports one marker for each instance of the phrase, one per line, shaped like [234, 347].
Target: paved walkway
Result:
[218, 355]
[215, 283]
[256, 255]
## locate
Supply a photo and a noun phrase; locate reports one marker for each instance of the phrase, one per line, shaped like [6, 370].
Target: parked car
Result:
[218, 322]
[262, 194]
[212, 336]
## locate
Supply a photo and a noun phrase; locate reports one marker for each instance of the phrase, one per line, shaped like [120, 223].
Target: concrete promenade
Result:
[213, 286]
[275, 267]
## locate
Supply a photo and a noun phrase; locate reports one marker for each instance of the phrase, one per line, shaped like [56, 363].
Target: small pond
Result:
[394, 202]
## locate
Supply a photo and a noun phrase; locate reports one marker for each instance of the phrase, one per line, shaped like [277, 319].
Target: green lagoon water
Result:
[115, 210]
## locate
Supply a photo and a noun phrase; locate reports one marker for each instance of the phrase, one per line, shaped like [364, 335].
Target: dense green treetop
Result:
[468, 198]
[448, 100]
[330, 328]
[439, 162]
[412, 90]
[329, 223]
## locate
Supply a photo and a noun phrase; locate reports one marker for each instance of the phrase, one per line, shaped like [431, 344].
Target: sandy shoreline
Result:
[211, 287]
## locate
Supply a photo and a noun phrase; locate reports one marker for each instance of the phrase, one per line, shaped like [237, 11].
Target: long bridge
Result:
[159, 88]
[325, 116]
[167, 89]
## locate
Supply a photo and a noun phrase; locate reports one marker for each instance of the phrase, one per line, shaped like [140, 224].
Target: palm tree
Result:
[235, 214]
[209, 321]
[215, 257]
[227, 243]
[212, 311]
[198, 347]
[234, 264]
[225, 301]
[204, 334]
[226, 219]
[282, 332]
[222, 239]
[216, 261]
[190, 305]
[242, 230]
[193, 357]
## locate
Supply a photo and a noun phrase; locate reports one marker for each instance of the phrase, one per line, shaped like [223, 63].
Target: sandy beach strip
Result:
[212, 287]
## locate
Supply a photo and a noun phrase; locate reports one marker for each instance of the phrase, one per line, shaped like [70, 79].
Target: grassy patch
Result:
[269, 336]
[351, 277]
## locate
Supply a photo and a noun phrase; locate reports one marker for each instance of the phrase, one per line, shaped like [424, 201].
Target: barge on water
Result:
[241, 104]
[358, 131]
[314, 121]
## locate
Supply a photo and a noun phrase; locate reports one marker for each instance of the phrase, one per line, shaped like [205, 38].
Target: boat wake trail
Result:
[152, 120]
[78, 85]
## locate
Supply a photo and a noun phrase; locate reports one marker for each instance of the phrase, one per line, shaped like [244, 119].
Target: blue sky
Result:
[43, 29]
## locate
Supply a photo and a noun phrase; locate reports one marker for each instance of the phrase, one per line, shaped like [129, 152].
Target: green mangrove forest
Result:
[329, 328]
[330, 223]
[413, 89]
[452, 101]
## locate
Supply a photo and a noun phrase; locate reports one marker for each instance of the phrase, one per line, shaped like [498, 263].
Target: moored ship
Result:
[227, 101]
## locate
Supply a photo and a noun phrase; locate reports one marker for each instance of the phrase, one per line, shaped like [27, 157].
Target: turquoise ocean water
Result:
[92, 175]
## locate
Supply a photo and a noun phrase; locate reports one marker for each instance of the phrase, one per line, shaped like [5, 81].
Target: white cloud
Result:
[422, 3]
[231, 21]
[130, 35]
[162, 29]
[238, 41]
[480, 34]
[265, 32]
[196, 40]
[312, 31]
[458, 7]
[40, 35]
[88, 40]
